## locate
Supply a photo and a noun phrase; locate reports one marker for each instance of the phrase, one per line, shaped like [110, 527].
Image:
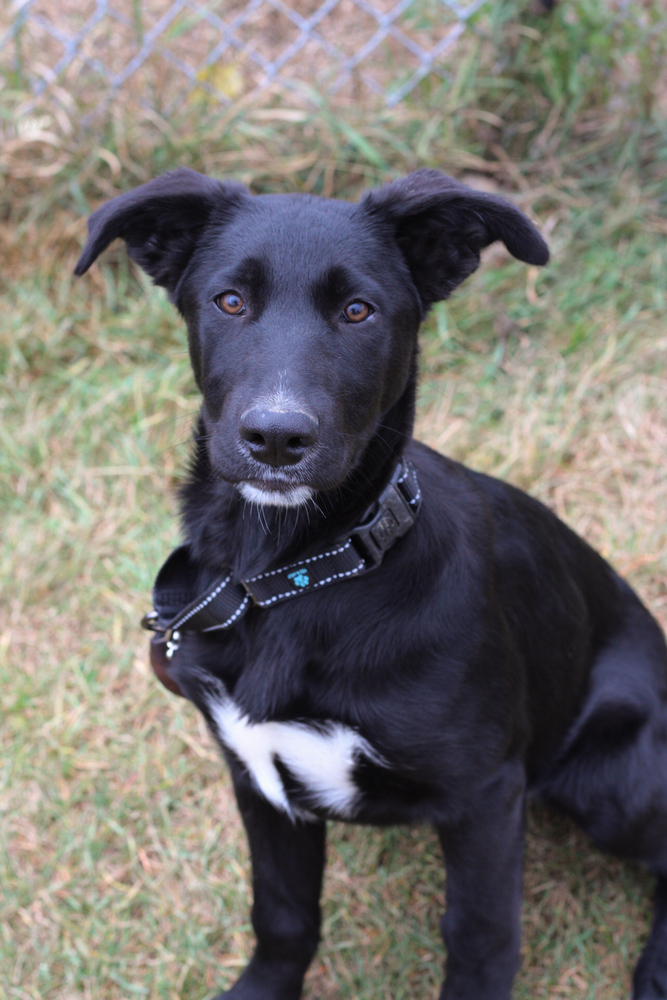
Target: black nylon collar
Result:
[178, 608]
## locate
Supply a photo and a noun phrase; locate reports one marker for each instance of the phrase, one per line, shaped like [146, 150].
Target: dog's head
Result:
[303, 312]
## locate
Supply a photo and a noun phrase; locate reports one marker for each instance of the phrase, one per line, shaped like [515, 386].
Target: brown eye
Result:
[357, 312]
[230, 303]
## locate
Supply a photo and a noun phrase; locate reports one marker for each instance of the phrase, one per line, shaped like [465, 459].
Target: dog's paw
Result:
[266, 981]
[650, 979]
[247, 991]
[652, 987]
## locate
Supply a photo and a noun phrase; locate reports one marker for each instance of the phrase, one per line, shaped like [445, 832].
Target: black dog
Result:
[488, 653]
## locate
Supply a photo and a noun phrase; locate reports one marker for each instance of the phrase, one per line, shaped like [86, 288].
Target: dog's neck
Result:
[225, 530]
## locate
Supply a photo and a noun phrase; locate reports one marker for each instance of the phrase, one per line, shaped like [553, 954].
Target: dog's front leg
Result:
[483, 858]
[287, 866]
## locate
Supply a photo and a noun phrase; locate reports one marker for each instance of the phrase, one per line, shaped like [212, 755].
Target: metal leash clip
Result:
[172, 637]
[149, 621]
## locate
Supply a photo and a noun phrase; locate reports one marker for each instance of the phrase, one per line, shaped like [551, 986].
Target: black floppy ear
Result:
[160, 222]
[441, 225]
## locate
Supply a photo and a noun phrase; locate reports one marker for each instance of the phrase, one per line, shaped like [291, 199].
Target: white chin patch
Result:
[294, 496]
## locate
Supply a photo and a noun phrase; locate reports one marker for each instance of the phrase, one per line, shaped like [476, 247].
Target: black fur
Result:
[492, 653]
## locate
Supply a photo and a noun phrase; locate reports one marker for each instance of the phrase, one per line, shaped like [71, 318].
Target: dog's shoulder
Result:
[534, 558]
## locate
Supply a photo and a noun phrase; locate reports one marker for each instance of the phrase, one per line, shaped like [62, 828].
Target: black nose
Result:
[277, 437]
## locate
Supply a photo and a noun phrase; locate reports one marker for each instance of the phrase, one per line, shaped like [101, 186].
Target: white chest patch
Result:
[321, 758]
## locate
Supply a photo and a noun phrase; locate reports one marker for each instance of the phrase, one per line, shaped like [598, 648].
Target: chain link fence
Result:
[167, 52]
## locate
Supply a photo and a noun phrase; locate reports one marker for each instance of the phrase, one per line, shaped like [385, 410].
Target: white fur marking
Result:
[282, 399]
[322, 760]
[292, 497]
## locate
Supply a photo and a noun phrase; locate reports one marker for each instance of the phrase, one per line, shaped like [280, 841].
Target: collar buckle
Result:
[393, 518]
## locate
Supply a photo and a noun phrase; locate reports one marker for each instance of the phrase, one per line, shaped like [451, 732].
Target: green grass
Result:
[122, 864]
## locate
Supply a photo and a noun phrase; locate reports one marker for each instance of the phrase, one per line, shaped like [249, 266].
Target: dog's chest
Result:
[295, 764]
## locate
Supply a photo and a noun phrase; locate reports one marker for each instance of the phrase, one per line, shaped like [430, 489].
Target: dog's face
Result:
[302, 323]
[303, 312]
